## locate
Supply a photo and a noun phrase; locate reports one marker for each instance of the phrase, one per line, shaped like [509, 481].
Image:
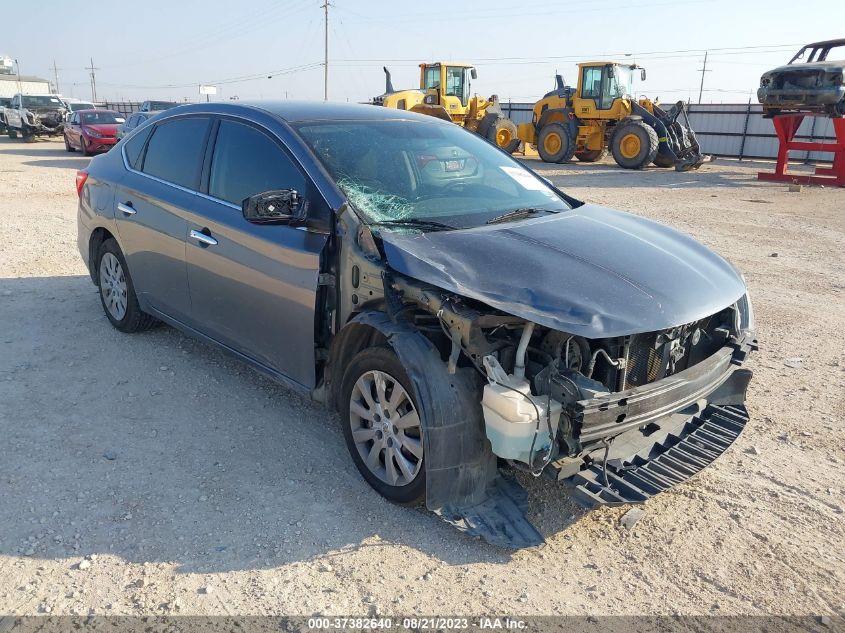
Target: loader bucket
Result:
[679, 146]
[681, 138]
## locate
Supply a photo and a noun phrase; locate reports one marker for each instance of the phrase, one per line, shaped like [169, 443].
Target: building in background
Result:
[10, 86]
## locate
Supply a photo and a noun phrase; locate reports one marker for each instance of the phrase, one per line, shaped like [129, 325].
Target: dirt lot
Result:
[151, 474]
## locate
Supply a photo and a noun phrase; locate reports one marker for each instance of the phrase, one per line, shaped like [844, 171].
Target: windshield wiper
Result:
[518, 214]
[431, 225]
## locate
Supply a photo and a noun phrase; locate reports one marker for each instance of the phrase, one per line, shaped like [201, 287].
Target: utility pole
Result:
[56, 77]
[702, 70]
[18, 67]
[93, 81]
[325, 7]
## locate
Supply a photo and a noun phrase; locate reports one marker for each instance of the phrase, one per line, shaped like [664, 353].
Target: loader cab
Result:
[604, 90]
[449, 84]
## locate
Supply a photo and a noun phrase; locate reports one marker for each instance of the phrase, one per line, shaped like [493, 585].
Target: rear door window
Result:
[175, 151]
[246, 161]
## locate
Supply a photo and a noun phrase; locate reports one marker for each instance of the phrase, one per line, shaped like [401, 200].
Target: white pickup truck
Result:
[34, 115]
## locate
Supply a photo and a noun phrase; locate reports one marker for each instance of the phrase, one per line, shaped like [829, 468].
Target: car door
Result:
[253, 287]
[153, 201]
[73, 130]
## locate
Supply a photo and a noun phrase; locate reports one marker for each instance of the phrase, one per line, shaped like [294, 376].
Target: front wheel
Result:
[634, 144]
[502, 133]
[84, 146]
[13, 134]
[555, 143]
[382, 427]
[117, 293]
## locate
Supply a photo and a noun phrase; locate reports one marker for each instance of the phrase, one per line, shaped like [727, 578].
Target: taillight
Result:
[81, 177]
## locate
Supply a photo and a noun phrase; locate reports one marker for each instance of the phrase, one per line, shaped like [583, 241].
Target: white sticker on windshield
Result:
[525, 179]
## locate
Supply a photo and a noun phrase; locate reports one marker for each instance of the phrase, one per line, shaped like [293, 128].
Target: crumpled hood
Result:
[591, 271]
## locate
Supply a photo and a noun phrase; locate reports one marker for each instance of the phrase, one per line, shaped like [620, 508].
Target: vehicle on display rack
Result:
[445, 93]
[92, 131]
[29, 116]
[458, 310]
[601, 113]
[812, 81]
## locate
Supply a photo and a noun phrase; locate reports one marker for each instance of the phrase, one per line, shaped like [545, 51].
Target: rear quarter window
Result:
[134, 147]
[175, 150]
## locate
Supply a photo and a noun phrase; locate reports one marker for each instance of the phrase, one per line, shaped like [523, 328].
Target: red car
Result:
[92, 131]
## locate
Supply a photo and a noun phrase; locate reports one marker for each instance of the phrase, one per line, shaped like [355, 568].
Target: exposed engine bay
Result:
[542, 379]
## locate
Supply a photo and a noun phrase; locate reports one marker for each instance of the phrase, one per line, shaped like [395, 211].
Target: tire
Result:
[555, 143]
[114, 280]
[502, 133]
[373, 429]
[592, 155]
[634, 144]
[13, 134]
[68, 146]
[84, 146]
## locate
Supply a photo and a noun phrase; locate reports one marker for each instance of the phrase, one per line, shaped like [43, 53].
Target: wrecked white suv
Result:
[461, 314]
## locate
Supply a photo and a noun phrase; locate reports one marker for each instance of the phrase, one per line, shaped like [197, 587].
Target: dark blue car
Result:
[461, 313]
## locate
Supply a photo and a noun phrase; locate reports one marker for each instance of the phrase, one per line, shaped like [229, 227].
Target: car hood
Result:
[826, 66]
[108, 129]
[591, 271]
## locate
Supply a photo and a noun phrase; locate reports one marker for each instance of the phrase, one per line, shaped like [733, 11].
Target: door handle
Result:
[126, 209]
[203, 238]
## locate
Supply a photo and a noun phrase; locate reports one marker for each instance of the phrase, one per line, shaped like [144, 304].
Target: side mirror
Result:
[280, 206]
[642, 74]
[473, 74]
[610, 71]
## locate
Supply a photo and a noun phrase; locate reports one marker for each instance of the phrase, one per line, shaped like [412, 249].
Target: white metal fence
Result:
[735, 130]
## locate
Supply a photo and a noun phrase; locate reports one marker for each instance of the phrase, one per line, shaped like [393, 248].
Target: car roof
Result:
[826, 43]
[297, 111]
[96, 110]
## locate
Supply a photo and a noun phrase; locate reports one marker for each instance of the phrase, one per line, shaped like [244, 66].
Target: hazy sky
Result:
[164, 49]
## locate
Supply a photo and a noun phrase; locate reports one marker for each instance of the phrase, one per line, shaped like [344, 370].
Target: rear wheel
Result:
[555, 143]
[634, 145]
[13, 134]
[117, 293]
[68, 146]
[382, 426]
[502, 133]
[591, 155]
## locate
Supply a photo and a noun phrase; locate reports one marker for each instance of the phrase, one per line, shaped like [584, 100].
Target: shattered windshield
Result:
[415, 170]
[37, 101]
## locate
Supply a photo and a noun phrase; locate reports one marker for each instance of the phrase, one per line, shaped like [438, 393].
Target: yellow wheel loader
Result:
[444, 92]
[600, 114]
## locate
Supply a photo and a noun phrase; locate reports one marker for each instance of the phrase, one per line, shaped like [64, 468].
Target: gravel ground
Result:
[150, 474]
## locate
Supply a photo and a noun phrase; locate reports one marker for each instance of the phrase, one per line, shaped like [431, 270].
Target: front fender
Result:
[462, 482]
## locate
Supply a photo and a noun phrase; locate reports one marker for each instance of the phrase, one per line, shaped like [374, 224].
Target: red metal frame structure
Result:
[786, 126]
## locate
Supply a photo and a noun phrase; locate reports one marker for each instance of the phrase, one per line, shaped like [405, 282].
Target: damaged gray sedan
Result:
[465, 317]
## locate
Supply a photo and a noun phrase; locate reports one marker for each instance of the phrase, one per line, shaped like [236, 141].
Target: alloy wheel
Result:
[386, 428]
[113, 286]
